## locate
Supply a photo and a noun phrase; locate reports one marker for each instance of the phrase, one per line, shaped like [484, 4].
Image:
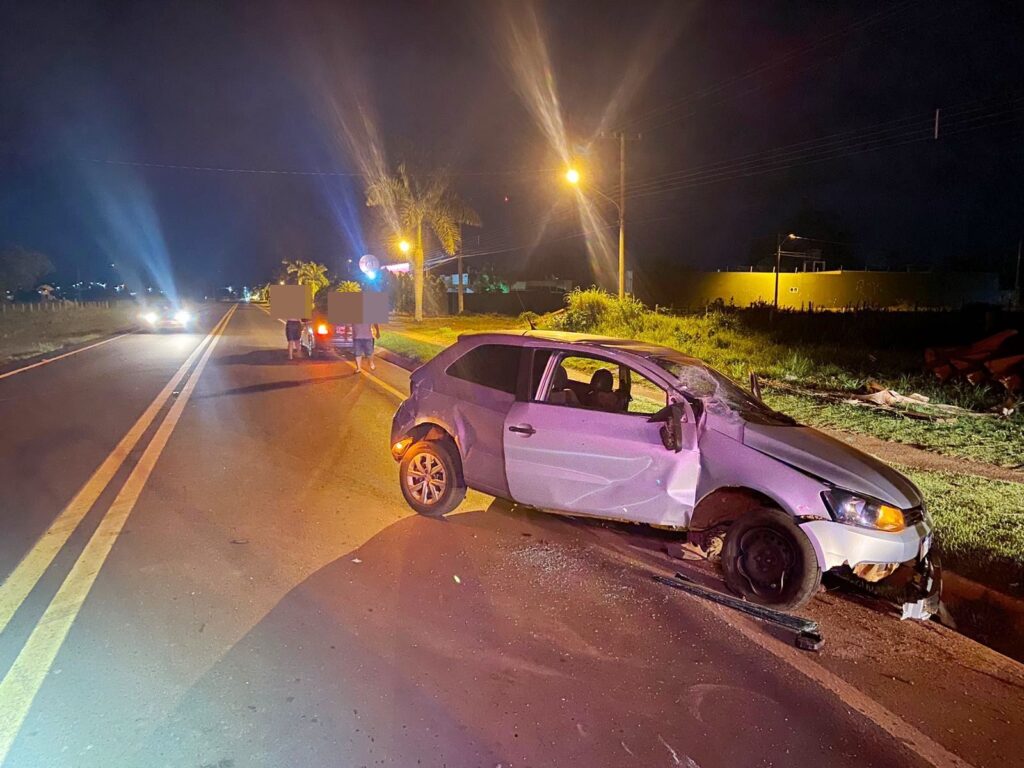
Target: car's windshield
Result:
[720, 394]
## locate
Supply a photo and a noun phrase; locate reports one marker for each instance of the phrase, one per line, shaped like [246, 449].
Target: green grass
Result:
[992, 440]
[413, 349]
[26, 334]
[979, 526]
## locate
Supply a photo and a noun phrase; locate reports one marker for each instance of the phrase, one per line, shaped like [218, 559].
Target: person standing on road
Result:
[363, 335]
[292, 332]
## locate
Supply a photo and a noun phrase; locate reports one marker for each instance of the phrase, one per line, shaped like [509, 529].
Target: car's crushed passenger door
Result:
[592, 462]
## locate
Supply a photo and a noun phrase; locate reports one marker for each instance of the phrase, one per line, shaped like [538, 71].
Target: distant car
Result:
[166, 317]
[623, 430]
[320, 335]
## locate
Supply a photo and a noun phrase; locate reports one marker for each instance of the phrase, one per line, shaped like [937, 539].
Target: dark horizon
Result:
[118, 116]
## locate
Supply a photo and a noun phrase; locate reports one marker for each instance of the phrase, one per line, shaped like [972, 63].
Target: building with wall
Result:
[841, 289]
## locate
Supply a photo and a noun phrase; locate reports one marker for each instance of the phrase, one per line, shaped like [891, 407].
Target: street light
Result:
[778, 265]
[572, 176]
[404, 246]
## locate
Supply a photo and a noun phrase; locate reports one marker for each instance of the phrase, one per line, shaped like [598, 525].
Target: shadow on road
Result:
[275, 357]
[271, 386]
[497, 637]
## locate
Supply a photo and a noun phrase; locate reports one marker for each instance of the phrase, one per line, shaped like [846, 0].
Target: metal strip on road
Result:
[49, 360]
[19, 687]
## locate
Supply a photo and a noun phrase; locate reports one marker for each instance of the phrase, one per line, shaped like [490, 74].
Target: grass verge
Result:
[27, 334]
[979, 526]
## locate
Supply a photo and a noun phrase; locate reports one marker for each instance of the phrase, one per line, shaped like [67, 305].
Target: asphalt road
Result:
[207, 562]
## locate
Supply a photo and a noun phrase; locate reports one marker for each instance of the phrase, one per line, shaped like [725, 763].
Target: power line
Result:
[767, 65]
[811, 158]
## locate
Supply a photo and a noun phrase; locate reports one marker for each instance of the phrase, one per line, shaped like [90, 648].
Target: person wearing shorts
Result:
[292, 332]
[363, 335]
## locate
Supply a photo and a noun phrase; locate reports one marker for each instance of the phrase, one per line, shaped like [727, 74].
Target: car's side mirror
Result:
[672, 430]
[755, 386]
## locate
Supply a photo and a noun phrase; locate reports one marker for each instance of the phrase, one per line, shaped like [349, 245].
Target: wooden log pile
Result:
[998, 359]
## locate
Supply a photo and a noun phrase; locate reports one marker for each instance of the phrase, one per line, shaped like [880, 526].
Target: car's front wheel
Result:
[768, 560]
[429, 478]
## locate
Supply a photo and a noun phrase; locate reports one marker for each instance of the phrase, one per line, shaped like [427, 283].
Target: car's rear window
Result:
[495, 366]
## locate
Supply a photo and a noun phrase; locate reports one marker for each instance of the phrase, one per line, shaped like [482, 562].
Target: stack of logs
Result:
[999, 359]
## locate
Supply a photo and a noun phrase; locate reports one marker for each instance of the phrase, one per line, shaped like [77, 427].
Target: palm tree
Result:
[409, 202]
[308, 273]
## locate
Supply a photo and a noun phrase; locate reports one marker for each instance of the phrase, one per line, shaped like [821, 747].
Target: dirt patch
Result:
[911, 456]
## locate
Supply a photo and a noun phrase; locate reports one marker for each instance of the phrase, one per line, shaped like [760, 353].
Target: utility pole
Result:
[460, 270]
[623, 137]
[778, 266]
[622, 215]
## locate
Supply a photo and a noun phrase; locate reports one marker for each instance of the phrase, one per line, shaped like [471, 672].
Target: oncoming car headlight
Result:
[182, 316]
[851, 509]
[149, 317]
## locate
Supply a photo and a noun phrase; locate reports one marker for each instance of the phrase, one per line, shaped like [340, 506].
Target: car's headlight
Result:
[149, 317]
[866, 512]
[182, 316]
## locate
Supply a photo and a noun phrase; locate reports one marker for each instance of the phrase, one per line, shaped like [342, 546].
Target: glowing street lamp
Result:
[572, 176]
[404, 246]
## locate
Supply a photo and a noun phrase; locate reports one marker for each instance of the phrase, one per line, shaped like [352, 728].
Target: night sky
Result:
[756, 117]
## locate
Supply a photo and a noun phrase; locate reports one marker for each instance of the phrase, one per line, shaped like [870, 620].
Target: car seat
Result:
[601, 394]
[560, 392]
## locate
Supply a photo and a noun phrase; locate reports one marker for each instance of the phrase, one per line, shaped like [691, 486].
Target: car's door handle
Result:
[522, 429]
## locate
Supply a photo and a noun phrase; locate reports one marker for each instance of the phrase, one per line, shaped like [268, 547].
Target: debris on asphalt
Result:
[457, 579]
[356, 560]
[239, 541]
[808, 635]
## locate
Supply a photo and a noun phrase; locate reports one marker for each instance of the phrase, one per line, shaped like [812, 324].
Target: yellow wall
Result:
[840, 290]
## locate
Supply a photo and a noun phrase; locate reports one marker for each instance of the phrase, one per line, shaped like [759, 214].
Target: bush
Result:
[529, 318]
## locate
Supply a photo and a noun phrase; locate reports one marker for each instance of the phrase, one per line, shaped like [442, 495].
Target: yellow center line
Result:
[380, 383]
[49, 360]
[33, 565]
[19, 687]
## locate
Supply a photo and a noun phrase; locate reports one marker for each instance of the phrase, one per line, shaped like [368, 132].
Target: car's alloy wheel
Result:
[768, 560]
[429, 478]
[426, 478]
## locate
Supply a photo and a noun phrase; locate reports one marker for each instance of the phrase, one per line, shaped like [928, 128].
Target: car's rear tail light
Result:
[322, 329]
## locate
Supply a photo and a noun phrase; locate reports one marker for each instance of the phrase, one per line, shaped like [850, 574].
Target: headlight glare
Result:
[182, 316]
[851, 509]
[149, 317]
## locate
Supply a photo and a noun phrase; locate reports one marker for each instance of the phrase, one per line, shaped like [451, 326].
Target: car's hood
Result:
[833, 461]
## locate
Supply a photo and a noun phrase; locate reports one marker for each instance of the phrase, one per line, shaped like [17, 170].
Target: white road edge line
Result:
[910, 737]
[49, 360]
[19, 687]
[16, 587]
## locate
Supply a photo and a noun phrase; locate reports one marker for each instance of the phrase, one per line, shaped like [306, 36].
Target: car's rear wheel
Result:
[768, 560]
[429, 478]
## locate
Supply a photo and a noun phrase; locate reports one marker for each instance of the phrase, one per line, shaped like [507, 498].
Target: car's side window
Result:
[645, 396]
[495, 366]
[588, 382]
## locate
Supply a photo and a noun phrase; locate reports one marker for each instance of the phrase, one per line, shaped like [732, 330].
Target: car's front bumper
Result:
[838, 544]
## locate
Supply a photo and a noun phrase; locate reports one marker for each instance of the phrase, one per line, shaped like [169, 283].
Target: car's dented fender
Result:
[726, 463]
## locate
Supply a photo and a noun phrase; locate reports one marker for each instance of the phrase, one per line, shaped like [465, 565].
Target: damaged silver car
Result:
[623, 430]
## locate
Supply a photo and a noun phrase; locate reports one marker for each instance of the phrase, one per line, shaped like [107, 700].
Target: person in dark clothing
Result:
[292, 332]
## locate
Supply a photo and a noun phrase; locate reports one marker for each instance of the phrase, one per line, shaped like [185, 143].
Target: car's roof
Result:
[632, 346]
